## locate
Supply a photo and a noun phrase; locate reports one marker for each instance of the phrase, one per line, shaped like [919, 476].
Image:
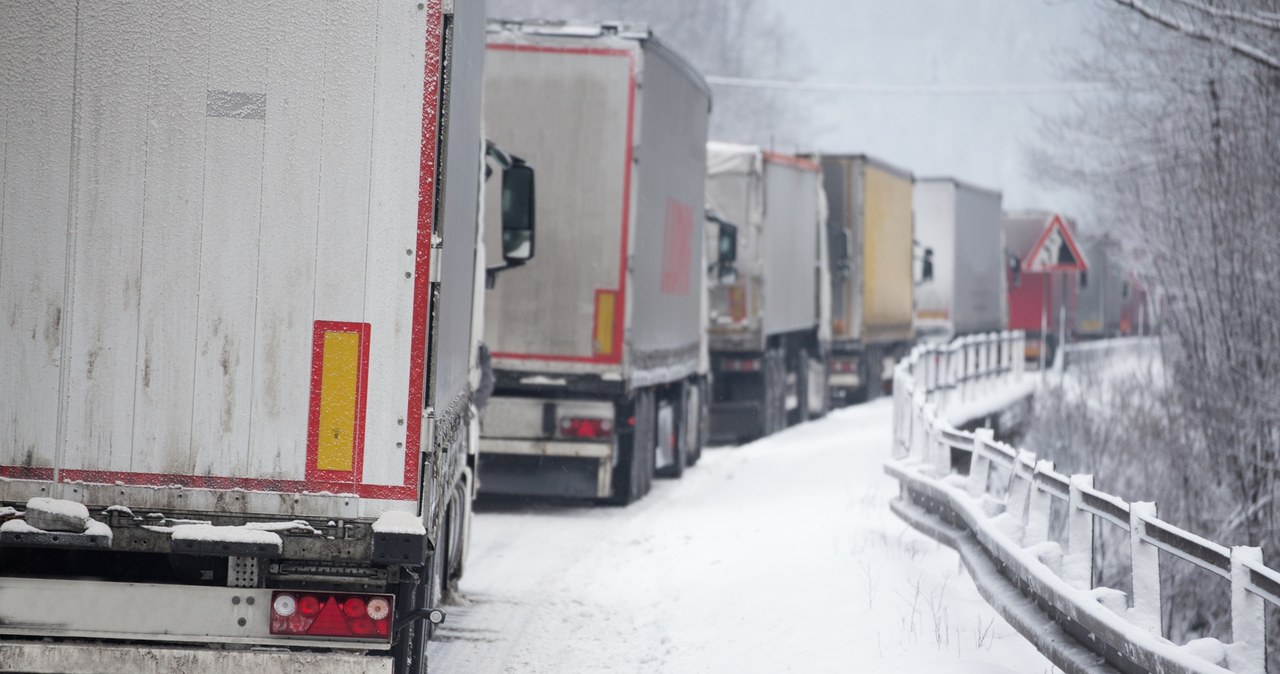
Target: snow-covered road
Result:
[777, 556]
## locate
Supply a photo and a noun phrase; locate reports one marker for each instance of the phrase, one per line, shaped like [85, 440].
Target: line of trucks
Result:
[271, 315]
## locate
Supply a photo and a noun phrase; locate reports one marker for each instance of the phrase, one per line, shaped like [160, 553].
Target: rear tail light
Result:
[585, 428]
[844, 365]
[331, 614]
[741, 364]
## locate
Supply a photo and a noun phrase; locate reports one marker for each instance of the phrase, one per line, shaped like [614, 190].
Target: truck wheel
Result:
[635, 447]
[680, 434]
[801, 412]
[777, 386]
[648, 422]
[459, 532]
[698, 409]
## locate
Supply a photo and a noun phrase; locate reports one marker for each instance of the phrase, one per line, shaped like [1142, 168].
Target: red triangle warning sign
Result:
[1055, 250]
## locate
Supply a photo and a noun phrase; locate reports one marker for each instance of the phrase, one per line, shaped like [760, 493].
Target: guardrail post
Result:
[993, 360]
[1146, 569]
[1039, 503]
[1077, 567]
[919, 431]
[1247, 653]
[1020, 486]
[980, 462]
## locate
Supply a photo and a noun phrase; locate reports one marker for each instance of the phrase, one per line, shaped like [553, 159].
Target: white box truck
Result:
[768, 329]
[596, 347]
[238, 280]
[960, 226]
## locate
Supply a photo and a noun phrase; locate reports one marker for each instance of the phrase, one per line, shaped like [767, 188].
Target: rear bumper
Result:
[545, 468]
[238, 619]
[45, 657]
[737, 421]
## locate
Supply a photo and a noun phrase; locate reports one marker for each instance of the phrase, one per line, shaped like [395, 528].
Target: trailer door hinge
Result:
[437, 256]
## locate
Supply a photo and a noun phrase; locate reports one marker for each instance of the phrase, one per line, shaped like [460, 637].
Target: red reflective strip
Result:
[422, 264]
[792, 161]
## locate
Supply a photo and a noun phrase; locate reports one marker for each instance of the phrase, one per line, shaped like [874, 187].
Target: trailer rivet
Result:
[408, 251]
[248, 600]
[241, 622]
[235, 599]
[408, 274]
[399, 445]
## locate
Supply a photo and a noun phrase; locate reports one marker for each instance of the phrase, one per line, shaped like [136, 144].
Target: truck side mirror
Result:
[926, 267]
[518, 224]
[728, 253]
[728, 243]
[1015, 271]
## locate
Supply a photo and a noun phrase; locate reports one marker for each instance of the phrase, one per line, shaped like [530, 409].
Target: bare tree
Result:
[1182, 160]
[1248, 32]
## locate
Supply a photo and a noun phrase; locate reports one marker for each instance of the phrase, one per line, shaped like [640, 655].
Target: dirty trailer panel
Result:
[620, 172]
[773, 199]
[236, 297]
[962, 224]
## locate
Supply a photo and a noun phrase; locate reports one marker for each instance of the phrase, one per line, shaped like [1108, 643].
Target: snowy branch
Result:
[1265, 20]
[1240, 47]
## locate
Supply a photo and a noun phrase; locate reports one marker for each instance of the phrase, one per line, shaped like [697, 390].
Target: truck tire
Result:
[680, 444]
[801, 413]
[777, 386]
[698, 407]
[633, 474]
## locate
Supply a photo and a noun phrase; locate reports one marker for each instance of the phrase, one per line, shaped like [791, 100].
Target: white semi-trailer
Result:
[237, 281]
[961, 227]
[769, 333]
[596, 347]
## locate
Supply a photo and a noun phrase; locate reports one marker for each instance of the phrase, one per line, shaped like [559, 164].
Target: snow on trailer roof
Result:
[733, 158]
[864, 157]
[729, 158]
[562, 28]
[961, 183]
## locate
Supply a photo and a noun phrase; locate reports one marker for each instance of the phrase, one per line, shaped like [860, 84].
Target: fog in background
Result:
[907, 58]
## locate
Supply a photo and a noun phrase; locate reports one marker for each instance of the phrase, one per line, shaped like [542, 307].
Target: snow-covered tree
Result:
[1182, 160]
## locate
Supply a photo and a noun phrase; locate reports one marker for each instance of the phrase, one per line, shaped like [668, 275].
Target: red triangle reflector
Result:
[330, 622]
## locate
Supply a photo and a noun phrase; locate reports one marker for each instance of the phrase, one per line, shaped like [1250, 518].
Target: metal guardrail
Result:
[1004, 503]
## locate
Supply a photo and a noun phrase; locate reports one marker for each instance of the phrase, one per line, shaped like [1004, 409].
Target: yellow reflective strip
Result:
[339, 387]
[605, 307]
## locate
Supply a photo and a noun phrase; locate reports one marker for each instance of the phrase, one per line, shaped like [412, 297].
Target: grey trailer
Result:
[1103, 290]
[870, 231]
[596, 347]
[238, 273]
[767, 332]
[960, 224]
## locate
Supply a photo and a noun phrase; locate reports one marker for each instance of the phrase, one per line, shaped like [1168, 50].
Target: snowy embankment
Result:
[777, 556]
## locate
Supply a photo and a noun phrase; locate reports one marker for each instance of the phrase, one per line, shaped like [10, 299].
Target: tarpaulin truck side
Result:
[961, 225]
[870, 229]
[768, 333]
[596, 346]
[237, 278]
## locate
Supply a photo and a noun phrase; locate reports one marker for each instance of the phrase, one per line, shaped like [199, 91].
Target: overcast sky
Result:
[930, 43]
